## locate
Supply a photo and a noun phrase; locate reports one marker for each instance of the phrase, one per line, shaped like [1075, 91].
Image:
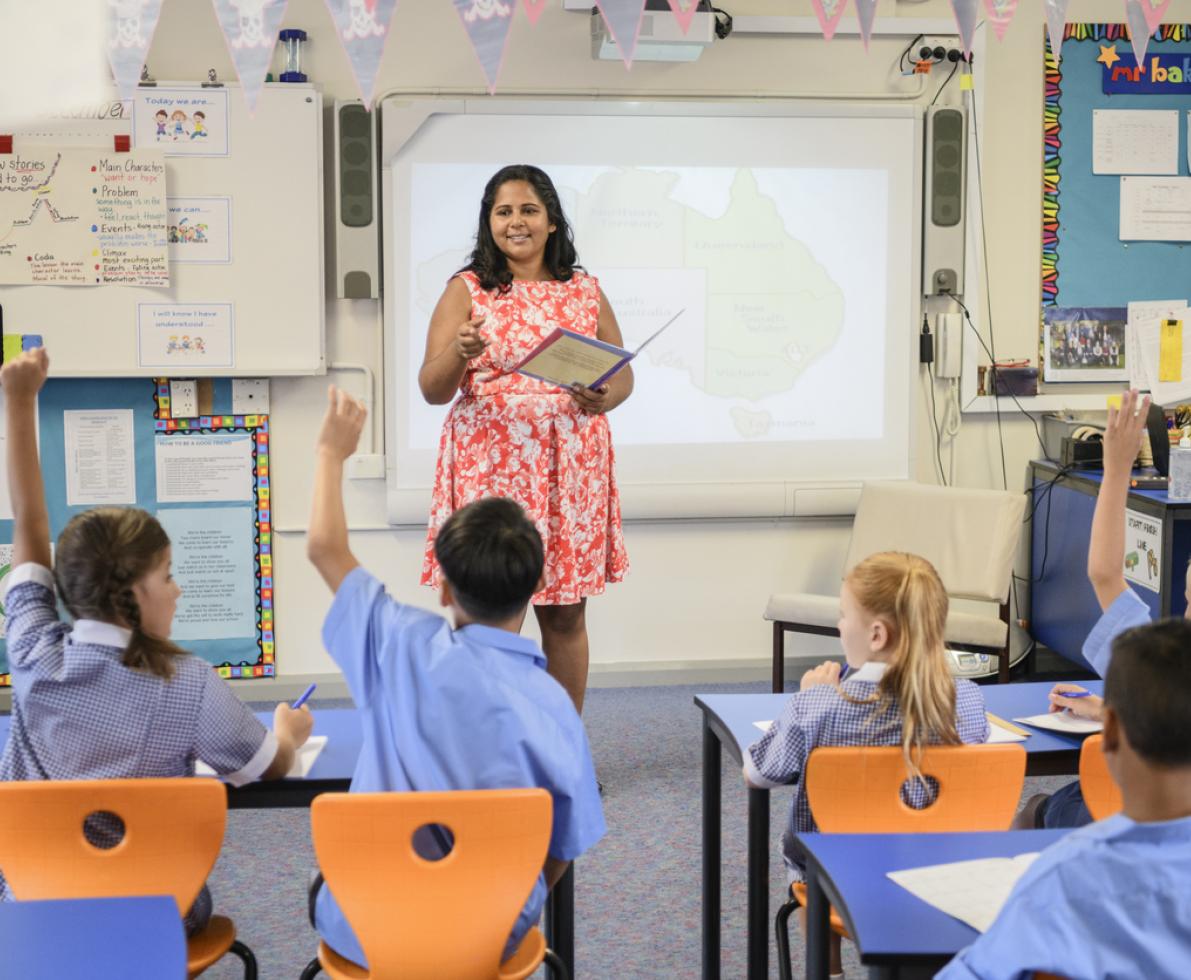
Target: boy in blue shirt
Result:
[1113, 899]
[442, 708]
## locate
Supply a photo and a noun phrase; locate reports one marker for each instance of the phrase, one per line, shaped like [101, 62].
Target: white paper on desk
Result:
[303, 760]
[763, 725]
[1062, 721]
[1149, 339]
[1135, 141]
[1150, 309]
[998, 735]
[971, 891]
[1155, 209]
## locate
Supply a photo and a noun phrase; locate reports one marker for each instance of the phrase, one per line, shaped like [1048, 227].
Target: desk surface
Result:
[106, 939]
[1091, 479]
[732, 716]
[888, 923]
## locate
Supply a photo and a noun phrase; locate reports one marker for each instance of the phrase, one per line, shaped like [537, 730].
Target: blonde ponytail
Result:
[905, 592]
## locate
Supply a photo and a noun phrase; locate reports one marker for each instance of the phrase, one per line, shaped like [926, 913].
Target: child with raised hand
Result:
[893, 609]
[109, 696]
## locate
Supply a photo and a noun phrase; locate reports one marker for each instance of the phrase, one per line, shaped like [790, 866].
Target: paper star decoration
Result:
[1108, 55]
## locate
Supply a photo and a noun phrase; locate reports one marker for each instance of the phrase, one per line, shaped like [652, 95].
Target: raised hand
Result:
[23, 376]
[340, 432]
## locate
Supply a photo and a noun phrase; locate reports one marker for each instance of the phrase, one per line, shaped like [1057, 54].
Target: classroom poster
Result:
[182, 122]
[199, 229]
[204, 467]
[74, 217]
[100, 457]
[1143, 550]
[175, 336]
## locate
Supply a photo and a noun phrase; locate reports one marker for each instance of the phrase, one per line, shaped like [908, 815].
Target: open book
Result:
[303, 759]
[971, 891]
[567, 358]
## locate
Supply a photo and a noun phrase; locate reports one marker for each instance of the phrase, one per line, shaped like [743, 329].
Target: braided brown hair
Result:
[101, 553]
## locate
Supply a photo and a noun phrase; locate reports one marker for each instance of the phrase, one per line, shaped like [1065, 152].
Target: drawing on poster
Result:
[178, 335]
[199, 229]
[181, 122]
[1143, 550]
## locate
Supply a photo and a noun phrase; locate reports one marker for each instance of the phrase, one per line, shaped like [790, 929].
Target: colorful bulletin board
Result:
[1085, 265]
[207, 481]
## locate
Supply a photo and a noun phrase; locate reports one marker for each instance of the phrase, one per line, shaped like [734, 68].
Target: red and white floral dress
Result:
[512, 436]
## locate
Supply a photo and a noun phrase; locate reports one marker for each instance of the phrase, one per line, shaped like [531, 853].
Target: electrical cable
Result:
[939, 90]
[934, 419]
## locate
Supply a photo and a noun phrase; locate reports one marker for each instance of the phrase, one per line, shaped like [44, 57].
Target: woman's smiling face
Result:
[519, 222]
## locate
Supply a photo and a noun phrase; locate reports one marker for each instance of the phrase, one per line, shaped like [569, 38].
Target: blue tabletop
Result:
[735, 714]
[886, 921]
[97, 938]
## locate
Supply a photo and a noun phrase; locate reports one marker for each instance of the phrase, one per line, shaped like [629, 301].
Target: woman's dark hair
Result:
[100, 554]
[489, 263]
[491, 554]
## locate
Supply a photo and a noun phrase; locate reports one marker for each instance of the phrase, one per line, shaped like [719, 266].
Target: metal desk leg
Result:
[560, 919]
[758, 884]
[711, 853]
[818, 929]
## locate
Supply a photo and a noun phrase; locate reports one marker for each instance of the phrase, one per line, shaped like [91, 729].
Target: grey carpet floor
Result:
[637, 892]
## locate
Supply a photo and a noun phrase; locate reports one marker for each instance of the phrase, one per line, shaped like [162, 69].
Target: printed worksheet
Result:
[1062, 721]
[971, 891]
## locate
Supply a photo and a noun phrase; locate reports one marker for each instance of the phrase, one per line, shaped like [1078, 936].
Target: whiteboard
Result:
[271, 282]
[790, 233]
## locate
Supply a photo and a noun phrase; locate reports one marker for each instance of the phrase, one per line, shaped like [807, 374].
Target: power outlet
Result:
[250, 396]
[184, 399]
[933, 41]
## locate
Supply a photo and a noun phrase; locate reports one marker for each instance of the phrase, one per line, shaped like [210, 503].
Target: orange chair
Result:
[857, 790]
[433, 920]
[1101, 794]
[173, 829]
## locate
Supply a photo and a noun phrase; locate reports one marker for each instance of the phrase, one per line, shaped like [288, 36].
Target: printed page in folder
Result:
[566, 358]
[971, 891]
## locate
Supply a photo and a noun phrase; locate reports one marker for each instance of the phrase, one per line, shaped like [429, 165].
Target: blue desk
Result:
[97, 938]
[728, 722]
[893, 929]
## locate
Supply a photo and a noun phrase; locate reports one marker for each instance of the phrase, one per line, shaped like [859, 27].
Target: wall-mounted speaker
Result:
[943, 201]
[353, 252]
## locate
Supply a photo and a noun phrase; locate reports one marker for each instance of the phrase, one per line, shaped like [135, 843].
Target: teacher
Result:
[548, 448]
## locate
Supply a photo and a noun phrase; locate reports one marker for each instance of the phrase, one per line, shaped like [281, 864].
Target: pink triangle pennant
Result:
[866, 10]
[487, 24]
[965, 12]
[363, 29]
[1154, 11]
[130, 31]
[999, 13]
[1056, 23]
[1139, 14]
[623, 18]
[829, 13]
[684, 17]
[250, 29]
[533, 9]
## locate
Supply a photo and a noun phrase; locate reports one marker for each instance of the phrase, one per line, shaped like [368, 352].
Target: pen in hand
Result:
[305, 694]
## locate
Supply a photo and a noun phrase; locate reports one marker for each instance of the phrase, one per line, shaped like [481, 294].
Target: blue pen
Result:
[305, 694]
[1073, 694]
[844, 673]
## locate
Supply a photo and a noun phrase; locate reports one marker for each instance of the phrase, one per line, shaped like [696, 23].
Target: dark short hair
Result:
[491, 554]
[1149, 687]
[489, 263]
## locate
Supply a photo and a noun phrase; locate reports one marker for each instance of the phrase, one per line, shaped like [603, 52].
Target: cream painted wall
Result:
[697, 588]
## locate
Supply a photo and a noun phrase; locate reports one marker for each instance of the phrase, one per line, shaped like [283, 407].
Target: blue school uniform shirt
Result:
[445, 709]
[1112, 899]
[1126, 611]
[822, 715]
[79, 713]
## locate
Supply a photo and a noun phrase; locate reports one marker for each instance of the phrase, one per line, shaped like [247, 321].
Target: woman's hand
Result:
[1088, 706]
[593, 400]
[469, 342]
[826, 673]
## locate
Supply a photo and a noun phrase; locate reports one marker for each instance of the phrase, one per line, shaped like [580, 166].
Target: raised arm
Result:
[326, 542]
[454, 339]
[620, 385]
[21, 380]
[1106, 550]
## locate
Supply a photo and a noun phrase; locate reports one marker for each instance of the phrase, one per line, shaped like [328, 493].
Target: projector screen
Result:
[788, 236]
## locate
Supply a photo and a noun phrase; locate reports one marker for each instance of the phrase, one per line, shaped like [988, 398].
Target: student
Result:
[1120, 606]
[450, 708]
[1113, 899]
[893, 610]
[110, 697]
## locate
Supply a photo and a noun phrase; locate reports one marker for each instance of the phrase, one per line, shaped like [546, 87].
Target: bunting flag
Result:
[829, 12]
[250, 29]
[487, 24]
[965, 12]
[623, 18]
[1154, 11]
[1056, 22]
[866, 10]
[363, 29]
[684, 17]
[1143, 19]
[999, 13]
[130, 29]
[533, 9]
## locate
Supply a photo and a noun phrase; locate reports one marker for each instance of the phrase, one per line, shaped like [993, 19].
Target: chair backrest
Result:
[1101, 794]
[173, 829]
[970, 536]
[857, 789]
[416, 917]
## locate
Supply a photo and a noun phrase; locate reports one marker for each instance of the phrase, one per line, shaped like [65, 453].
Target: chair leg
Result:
[246, 955]
[779, 658]
[781, 925]
[558, 969]
[313, 969]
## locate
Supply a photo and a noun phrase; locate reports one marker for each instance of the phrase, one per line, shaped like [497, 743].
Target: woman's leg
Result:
[564, 641]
